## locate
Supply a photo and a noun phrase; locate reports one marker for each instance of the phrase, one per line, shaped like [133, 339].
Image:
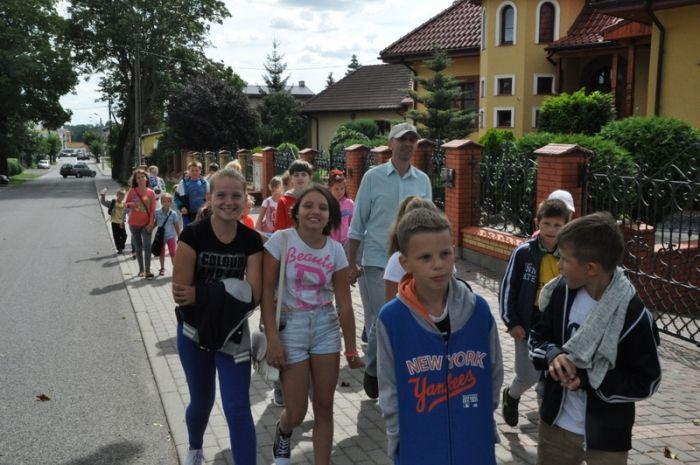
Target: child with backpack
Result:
[117, 215]
[307, 343]
[191, 192]
[169, 220]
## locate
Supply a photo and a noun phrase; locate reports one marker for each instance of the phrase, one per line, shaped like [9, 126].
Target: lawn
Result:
[23, 177]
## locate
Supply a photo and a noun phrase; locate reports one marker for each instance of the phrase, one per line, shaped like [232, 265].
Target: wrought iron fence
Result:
[508, 195]
[249, 168]
[660, 220]
[325, 162]
[435, 165]
[369, 161]
[283, 159]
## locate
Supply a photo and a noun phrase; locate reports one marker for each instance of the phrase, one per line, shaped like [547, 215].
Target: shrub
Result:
[288, 147]
[655, 142]
[364, 126]
[493, 142]
[576, 113]
[14, 166]
[344, 137]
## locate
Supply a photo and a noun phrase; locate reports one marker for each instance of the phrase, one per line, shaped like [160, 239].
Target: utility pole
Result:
[137, 99]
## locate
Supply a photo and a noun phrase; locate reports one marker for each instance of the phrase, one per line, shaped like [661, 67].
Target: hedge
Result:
[14, 166]
[576, 113]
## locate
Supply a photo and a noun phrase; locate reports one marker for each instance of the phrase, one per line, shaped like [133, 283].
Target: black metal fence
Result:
[508, 195]
[283, 159]
[660, 218]
[325, 162]
[435, 165]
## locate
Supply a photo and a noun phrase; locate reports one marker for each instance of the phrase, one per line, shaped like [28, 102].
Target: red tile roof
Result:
[587, 30]
[370, 87]
[455, 29]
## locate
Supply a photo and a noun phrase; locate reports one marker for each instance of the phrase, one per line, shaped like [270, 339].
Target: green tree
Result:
[330, 80]
[94, 140]
[35, 71]
[281, 118]
[158, 44]
[54, 145]
[275, 68]
[353, 66]
[209, 113]
[440, 119]
[576, 113]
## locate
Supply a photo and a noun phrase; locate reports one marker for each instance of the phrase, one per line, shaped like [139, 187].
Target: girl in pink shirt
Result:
[141, 202]
[337, 185]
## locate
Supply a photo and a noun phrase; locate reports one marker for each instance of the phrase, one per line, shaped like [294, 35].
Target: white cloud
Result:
[315, 36]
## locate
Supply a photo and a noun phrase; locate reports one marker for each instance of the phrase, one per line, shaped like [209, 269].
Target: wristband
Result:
[351, 354]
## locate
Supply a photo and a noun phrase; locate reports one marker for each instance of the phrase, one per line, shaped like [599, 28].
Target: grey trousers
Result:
[373, 298]
[526, 375]
[141, 242]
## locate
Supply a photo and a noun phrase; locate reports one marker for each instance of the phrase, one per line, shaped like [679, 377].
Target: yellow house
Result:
[376, 92]
[149, 142]
[518, 52]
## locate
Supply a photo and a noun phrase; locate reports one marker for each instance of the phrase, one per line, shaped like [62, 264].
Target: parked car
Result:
[81, 169]
[78, 170]
[4, 179]
[43, 164]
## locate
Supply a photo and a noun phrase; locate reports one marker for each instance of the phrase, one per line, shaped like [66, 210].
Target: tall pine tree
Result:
[439, 119]
[354, 65]
[275, 67]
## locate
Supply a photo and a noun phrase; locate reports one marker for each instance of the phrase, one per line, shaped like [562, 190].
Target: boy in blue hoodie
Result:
[439, 358]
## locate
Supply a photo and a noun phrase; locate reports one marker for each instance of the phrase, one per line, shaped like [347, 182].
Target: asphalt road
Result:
[68, 331]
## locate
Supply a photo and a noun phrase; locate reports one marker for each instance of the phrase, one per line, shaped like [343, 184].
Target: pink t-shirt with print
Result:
[347, 206]
[309, 273]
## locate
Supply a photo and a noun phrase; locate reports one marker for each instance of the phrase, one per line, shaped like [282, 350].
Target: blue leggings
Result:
[234, 382]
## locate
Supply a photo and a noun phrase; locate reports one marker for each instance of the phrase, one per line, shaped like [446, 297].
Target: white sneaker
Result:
[194, 457]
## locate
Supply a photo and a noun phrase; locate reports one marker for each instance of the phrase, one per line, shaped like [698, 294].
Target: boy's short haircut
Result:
[233, 165]
[166, 195]
[594, 238]
[553, 208]
[121, 191]
[153, 168]
[419, 221]
[298, 166]
[194, 163]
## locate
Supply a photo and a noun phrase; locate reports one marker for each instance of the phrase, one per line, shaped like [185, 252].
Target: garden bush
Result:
[346, 137]
[14, 166]
[576, 113]
[493, 141]
[364, 126]
[288, 147]
[655, 142]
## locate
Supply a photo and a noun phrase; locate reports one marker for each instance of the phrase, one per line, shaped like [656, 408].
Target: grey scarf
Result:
[594, 345]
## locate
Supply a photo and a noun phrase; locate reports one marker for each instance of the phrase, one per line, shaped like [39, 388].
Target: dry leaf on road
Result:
[43, 397]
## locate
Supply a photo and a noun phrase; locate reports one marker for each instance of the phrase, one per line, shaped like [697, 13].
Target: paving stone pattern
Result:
[665, 421]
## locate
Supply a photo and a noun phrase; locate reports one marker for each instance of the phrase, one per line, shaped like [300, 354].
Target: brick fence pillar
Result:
[223, 158]
[462, 200]
[242, 157]
[424, 152]
[268, 169]
[380, 154]
[309, 155]
[559, 167]
[355, 156]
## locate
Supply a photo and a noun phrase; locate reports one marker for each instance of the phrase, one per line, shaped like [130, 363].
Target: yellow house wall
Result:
[680, 97]
[328, 124]
[641, 83]
[523, 59]
[148, 144]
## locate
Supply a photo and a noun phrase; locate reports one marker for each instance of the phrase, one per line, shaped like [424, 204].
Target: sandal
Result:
[149, 275]
[141, 274]
[161, 272]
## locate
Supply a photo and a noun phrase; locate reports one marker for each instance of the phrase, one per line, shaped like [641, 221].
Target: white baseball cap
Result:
[402, 128]
[564, 196]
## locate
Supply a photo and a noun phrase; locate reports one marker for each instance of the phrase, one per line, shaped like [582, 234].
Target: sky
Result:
[315, 36]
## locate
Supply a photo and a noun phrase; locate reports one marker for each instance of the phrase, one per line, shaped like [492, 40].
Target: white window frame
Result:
[482, 87]
[503, 76]
[482, 117]
[556, 19]
[536, 76]
[498, 22]
[495, 116]
[534, 116]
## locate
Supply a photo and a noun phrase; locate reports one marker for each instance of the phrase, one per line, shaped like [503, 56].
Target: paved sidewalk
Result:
[668, 420]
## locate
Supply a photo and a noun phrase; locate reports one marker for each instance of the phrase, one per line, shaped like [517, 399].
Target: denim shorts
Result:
[309, 332]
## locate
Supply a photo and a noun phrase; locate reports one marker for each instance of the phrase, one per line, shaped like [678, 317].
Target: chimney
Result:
[302, 84]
